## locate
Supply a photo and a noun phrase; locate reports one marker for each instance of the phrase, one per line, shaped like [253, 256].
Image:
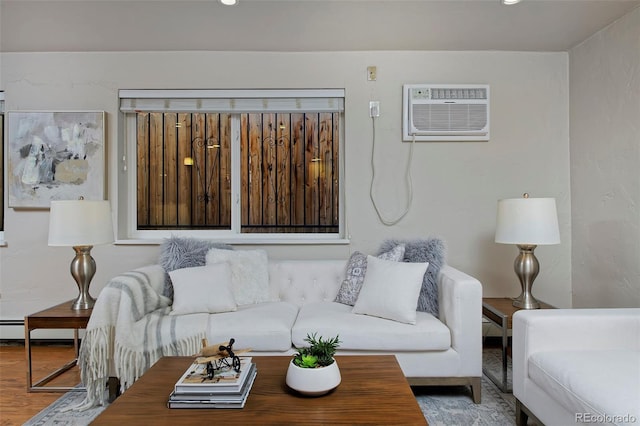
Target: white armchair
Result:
[573, 366]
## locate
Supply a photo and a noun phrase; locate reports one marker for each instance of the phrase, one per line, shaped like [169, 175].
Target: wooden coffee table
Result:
[373, 391]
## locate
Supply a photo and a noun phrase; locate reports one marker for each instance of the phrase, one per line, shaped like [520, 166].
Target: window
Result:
[234, 164]
[1, 167]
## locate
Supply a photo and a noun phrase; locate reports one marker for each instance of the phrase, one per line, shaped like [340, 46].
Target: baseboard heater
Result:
[12, 322]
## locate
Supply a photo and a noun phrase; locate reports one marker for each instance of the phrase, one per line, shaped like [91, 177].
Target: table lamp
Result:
[81, 224]
[527, 222]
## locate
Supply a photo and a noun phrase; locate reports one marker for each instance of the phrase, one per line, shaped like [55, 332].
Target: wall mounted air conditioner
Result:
[445, 112]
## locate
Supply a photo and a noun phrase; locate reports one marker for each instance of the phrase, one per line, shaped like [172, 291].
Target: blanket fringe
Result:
[129, 365]
[93, 362]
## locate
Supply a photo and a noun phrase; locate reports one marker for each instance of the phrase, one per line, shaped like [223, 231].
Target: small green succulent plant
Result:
[319, 354]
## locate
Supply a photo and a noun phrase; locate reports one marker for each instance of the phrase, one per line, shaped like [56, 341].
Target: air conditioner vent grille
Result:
[458, 93]
[448, 117]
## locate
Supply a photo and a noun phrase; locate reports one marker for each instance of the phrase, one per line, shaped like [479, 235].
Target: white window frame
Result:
[4, 167]
[215, 101]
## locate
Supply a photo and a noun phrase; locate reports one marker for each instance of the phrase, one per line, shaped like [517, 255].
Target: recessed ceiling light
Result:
[508, 2]
[229, 2]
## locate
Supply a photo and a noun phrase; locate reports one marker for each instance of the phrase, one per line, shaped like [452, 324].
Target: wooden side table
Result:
[500, 310]
[57, 317]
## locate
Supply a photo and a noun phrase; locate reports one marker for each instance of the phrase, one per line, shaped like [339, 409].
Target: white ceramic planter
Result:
[313, 381]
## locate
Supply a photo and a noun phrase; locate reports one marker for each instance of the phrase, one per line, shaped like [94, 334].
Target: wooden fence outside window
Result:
[288, 171]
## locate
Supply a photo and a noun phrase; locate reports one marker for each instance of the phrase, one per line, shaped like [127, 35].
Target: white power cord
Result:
[390, 222]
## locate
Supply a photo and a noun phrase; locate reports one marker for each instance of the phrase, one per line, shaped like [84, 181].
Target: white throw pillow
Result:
[249, 273]
[202, 289]
[356, 271]
[390, 290]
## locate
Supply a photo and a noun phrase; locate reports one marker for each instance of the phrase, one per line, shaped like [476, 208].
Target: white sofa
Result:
[573, 366]
[435, 351]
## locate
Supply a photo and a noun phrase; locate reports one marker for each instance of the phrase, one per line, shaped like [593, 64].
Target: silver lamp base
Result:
[527, 267]
[83, 268]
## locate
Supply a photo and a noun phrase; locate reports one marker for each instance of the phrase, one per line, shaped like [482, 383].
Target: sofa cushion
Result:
[261, 327]
[390, 290]
[249, 273]
[305, 281]
[363, 332]
[356, 270]
[202, 289]
[598, 382]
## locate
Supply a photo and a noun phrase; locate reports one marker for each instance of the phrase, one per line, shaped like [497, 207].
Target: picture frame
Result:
[55, 156]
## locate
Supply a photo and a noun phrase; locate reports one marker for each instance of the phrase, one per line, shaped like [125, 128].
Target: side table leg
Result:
[27, 347]
[76, 346]
[505, 343]
[39, 386]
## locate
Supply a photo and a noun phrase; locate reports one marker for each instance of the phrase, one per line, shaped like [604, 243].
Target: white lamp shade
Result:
[80, 223]
[527, 221]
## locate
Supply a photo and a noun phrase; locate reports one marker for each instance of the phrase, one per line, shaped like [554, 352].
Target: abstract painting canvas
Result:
[55, 156]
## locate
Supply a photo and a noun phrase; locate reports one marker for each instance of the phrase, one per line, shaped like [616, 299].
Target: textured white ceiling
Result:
[302, 25]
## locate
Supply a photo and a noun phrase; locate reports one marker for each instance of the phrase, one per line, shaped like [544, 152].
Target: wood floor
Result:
[16, 404]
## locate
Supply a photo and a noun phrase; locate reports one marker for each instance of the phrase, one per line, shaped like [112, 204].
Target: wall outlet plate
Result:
[374, 108]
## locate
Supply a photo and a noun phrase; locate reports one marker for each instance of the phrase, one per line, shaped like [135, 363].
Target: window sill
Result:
[246, 241]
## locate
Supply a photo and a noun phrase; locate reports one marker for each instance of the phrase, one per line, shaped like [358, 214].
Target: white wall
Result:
[605, 166]
[456, 185]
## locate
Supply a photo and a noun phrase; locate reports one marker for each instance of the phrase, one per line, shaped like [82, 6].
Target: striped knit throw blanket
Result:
[130, 329]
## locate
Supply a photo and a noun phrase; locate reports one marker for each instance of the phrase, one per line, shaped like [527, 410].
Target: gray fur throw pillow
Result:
[180, 252]
[430, 250]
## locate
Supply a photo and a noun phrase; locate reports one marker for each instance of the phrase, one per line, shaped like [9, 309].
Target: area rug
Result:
[452, 405]
[442, 406]
[60, 413]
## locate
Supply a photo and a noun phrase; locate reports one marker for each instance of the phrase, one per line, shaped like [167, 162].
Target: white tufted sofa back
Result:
[305, 281]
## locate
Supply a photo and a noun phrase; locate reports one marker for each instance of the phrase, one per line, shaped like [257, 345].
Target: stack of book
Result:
[226, 389]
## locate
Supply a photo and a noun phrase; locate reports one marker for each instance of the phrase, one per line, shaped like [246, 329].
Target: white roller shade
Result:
[329, 100]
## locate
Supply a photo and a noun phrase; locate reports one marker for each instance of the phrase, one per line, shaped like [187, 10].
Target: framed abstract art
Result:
[55, 156]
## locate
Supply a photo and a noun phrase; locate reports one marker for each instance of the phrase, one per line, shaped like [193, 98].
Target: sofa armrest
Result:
[155, 275]
[147, 283]
[570, 329]
[460, 308]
